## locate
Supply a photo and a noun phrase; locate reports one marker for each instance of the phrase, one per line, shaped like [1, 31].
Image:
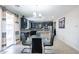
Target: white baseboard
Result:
[70, 44]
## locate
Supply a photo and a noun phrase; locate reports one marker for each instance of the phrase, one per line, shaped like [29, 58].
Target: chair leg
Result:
[48, 49]
[26, 51]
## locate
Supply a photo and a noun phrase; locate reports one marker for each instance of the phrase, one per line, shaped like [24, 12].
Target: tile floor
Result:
[58, 48]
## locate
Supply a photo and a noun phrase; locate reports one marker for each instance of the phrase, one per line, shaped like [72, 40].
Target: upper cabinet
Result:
[23, 23]
[41, 25]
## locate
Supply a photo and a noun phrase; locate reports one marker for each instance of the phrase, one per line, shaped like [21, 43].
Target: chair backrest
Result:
[51, 42]
[36, 45]
[26, 34]
[24, 37]
[33, 33]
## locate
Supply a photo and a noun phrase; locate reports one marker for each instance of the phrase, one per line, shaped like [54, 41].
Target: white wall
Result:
[10, 31]
[17, 28]
[0, 27]
[70, 34]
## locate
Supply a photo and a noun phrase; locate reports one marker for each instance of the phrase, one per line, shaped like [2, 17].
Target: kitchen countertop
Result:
[41, 30]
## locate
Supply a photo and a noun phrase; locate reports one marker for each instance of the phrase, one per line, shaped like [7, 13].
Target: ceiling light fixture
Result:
[34, 14]
[40, 15]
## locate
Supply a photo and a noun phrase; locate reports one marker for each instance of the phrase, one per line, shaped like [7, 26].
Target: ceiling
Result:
[45, 10]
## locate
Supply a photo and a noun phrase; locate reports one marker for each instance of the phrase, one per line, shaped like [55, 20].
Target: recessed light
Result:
[34, 14]
[40, 15]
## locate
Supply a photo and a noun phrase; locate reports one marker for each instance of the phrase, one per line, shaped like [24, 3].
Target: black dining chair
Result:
[25, 43]
[32, 33]
[50, 44]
